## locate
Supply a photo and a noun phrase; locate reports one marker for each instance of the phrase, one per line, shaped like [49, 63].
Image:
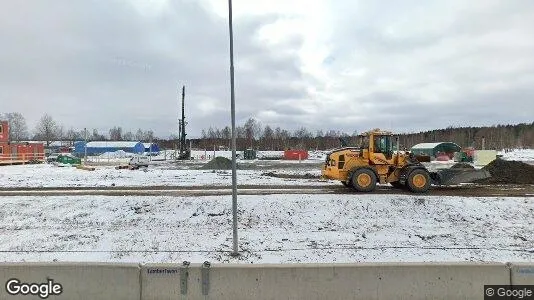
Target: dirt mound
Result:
[218, 163]
[462, 165]
[511, 172]
[292, 176]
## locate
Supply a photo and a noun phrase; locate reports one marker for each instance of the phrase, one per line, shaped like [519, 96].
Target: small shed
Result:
[151, 147]
[432, 149]
[94, 148]
[249, 154]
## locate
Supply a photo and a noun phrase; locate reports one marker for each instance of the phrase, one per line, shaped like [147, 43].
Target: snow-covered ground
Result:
[272, 228]
[120, 156]
[519, 155]
[47, 175]
[207, 154]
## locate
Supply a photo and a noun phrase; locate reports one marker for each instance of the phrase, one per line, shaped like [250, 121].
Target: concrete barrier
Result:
[246, 281]
[522, 273]
[322, 281]
[78, 280]
[163, 281]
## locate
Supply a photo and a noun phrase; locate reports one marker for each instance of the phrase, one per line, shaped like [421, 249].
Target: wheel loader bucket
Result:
[457, 176]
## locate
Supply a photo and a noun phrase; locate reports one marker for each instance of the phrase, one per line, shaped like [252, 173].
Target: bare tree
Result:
[139, 135]
[226, 133]
[267, 137]
[252, 131]
[148, 136]
[96, 136]
[115, 133]
[128, 136]
[47, 130]
[72, 135]
[18, 130]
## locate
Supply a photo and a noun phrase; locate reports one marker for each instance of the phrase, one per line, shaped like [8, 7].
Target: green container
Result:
[462, 157]
[69, 160]
[249, 154]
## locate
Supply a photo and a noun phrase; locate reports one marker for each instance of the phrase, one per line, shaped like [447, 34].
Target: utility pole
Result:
[235, 251]
[150, 150]
[85, 147]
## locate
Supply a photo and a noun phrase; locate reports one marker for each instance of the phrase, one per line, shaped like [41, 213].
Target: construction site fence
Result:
[22, 157]
[263, 281]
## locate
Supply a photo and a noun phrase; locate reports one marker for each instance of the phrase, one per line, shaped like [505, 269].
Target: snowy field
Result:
[48, 175]
[272, 229]
[519, 155]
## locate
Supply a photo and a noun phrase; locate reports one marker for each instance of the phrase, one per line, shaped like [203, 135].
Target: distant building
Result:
[433, 149]
[18, 152]
[95, 148]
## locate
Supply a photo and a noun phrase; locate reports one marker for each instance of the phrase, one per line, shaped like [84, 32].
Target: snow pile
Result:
[317, 155]
[270, 154]
[116, 154]
[272, 229]
[518, 155]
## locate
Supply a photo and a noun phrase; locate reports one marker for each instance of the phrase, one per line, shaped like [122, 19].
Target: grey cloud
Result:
[100, 64]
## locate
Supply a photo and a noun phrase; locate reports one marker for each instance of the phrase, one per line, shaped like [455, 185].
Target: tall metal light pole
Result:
[235, 251]
[85, 147]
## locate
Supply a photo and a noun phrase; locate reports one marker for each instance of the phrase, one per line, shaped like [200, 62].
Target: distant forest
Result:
[253, 135]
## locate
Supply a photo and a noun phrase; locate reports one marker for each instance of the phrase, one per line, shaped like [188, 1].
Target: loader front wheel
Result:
[418, 181]
[363, 180]
[345, 183]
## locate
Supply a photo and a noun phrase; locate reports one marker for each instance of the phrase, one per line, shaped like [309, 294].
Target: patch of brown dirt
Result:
[218, 163]
[509, 172]
[462, 165]
[292, 176]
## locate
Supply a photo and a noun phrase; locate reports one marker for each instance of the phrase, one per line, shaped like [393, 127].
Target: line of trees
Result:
[495, 137]
[49, 130]
[253, 135]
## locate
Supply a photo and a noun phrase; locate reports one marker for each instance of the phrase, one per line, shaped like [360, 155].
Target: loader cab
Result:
[378, 143]
[383, 144]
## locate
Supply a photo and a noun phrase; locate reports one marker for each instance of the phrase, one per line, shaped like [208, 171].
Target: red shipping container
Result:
[295, 154]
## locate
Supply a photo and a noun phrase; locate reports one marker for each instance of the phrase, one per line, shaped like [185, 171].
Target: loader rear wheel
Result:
[418, 181]
[363, 180]
[345, 183]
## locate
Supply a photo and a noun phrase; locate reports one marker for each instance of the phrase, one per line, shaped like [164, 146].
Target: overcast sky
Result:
[325, 64]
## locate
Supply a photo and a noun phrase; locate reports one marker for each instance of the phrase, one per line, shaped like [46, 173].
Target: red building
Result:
[18, 152]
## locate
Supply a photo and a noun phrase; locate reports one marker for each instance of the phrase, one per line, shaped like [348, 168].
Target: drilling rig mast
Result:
[185, 152]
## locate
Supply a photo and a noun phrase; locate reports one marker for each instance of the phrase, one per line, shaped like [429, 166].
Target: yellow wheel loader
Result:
[375, 161]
